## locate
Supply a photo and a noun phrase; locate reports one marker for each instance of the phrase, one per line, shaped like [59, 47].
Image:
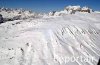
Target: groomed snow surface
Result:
[50, 40]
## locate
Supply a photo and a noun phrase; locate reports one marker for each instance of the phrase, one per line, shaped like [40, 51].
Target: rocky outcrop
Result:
[71, 10]
[10, 14]
[1, 19]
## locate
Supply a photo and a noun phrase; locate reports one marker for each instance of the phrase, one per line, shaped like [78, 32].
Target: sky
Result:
[48, 5]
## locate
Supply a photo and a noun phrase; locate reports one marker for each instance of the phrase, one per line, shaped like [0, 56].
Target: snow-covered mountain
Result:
[16, 14]
[71, 10]
[51, 40]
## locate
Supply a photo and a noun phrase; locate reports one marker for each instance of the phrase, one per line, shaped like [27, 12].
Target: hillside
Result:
[51, 40]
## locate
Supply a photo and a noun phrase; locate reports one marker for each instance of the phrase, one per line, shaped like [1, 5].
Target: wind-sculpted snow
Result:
[51, 41]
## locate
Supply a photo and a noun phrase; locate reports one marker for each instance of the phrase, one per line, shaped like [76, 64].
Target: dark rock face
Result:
[98, 62]
[1, 19]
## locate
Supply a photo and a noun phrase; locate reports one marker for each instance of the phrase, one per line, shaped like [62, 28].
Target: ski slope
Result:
[47, 40]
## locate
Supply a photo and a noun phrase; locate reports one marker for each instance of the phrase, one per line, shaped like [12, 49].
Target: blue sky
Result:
[48, 5]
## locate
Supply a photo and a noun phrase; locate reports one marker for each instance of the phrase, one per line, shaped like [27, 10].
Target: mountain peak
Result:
[71, 10]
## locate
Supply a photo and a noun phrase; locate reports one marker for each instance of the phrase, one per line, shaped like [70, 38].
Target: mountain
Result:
[16, 14]
[51, 40]
[71, 10]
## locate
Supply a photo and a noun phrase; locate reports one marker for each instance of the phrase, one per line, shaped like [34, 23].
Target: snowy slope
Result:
[47, 41]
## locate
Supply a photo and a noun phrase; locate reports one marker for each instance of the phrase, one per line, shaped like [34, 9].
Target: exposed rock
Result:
[71, 10]
[1, 19]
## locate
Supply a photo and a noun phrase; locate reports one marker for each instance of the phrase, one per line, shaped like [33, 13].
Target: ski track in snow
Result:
[44, 41]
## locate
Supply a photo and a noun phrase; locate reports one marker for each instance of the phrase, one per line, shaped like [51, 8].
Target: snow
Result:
[71, 10]
[85, 8]
[17, 13]
[48, 40]
[97, 11]
[73, 7]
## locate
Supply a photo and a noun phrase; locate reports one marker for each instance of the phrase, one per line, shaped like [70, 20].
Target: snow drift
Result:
[48, 41]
